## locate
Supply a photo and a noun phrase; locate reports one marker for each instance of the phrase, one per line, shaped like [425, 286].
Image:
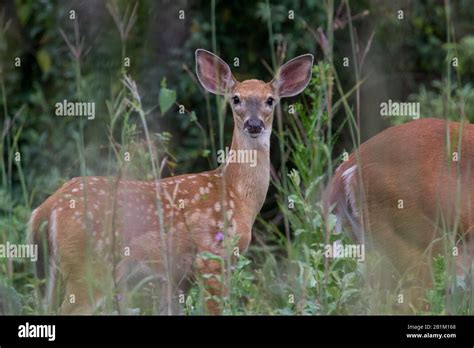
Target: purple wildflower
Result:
[219, 236]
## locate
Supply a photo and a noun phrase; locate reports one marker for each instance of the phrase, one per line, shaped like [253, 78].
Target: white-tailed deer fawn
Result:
[90, 221]
[404, 192]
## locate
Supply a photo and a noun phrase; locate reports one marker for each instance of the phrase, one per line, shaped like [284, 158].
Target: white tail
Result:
[99, 227]
[402, 190]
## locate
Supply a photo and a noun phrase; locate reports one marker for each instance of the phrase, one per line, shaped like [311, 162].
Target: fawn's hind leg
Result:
[76, 299]
[85, 291]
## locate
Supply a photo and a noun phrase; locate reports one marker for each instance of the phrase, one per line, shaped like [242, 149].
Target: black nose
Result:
[254, 126]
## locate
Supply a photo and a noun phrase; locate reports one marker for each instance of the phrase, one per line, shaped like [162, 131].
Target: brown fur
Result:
[409, 162]
[189, 230]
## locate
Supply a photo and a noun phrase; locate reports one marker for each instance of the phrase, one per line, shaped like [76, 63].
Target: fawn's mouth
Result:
[253, 134]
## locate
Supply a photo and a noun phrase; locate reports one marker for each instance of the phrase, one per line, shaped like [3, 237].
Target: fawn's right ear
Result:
[213, 73]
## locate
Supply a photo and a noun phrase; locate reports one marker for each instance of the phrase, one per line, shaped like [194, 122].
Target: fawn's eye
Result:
[270, 101]
[235, 100]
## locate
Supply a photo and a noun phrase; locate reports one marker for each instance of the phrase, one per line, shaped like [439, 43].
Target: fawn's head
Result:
[253, 101]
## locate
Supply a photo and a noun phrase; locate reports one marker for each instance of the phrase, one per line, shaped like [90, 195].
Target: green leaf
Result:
[44, 60]
[210, 256]
[299, 231]
[24, 12]
[166, 99]
[189, 301]
[163, 82]
[294, 175]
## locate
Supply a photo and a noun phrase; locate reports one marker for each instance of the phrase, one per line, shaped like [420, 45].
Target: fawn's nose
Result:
[254, 126]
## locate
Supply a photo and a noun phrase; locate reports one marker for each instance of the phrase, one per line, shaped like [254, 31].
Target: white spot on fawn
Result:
[100, 246]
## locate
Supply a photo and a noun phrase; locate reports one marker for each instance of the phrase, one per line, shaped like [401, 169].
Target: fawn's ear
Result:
[213, 73]
[293, 77]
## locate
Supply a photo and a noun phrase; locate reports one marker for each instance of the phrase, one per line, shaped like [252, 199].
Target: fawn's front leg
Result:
[211, 272]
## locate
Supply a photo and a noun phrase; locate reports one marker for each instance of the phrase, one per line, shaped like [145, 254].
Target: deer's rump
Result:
[405, 187]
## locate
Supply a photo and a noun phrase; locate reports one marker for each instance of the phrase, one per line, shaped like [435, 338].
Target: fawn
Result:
[90, 220]
[401, 191]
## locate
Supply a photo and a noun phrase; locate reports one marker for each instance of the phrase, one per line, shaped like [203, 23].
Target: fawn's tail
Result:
[41, 232]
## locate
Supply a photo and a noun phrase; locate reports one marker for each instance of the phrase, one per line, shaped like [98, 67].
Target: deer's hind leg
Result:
[86, 286]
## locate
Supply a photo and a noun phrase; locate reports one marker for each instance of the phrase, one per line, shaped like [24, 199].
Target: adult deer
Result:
[90, 220]
[405, 192]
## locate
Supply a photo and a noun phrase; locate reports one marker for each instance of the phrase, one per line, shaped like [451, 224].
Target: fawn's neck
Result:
[250, 181]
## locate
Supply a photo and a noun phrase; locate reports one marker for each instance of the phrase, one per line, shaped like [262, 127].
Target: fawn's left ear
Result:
[213, 73]
[293, 77]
